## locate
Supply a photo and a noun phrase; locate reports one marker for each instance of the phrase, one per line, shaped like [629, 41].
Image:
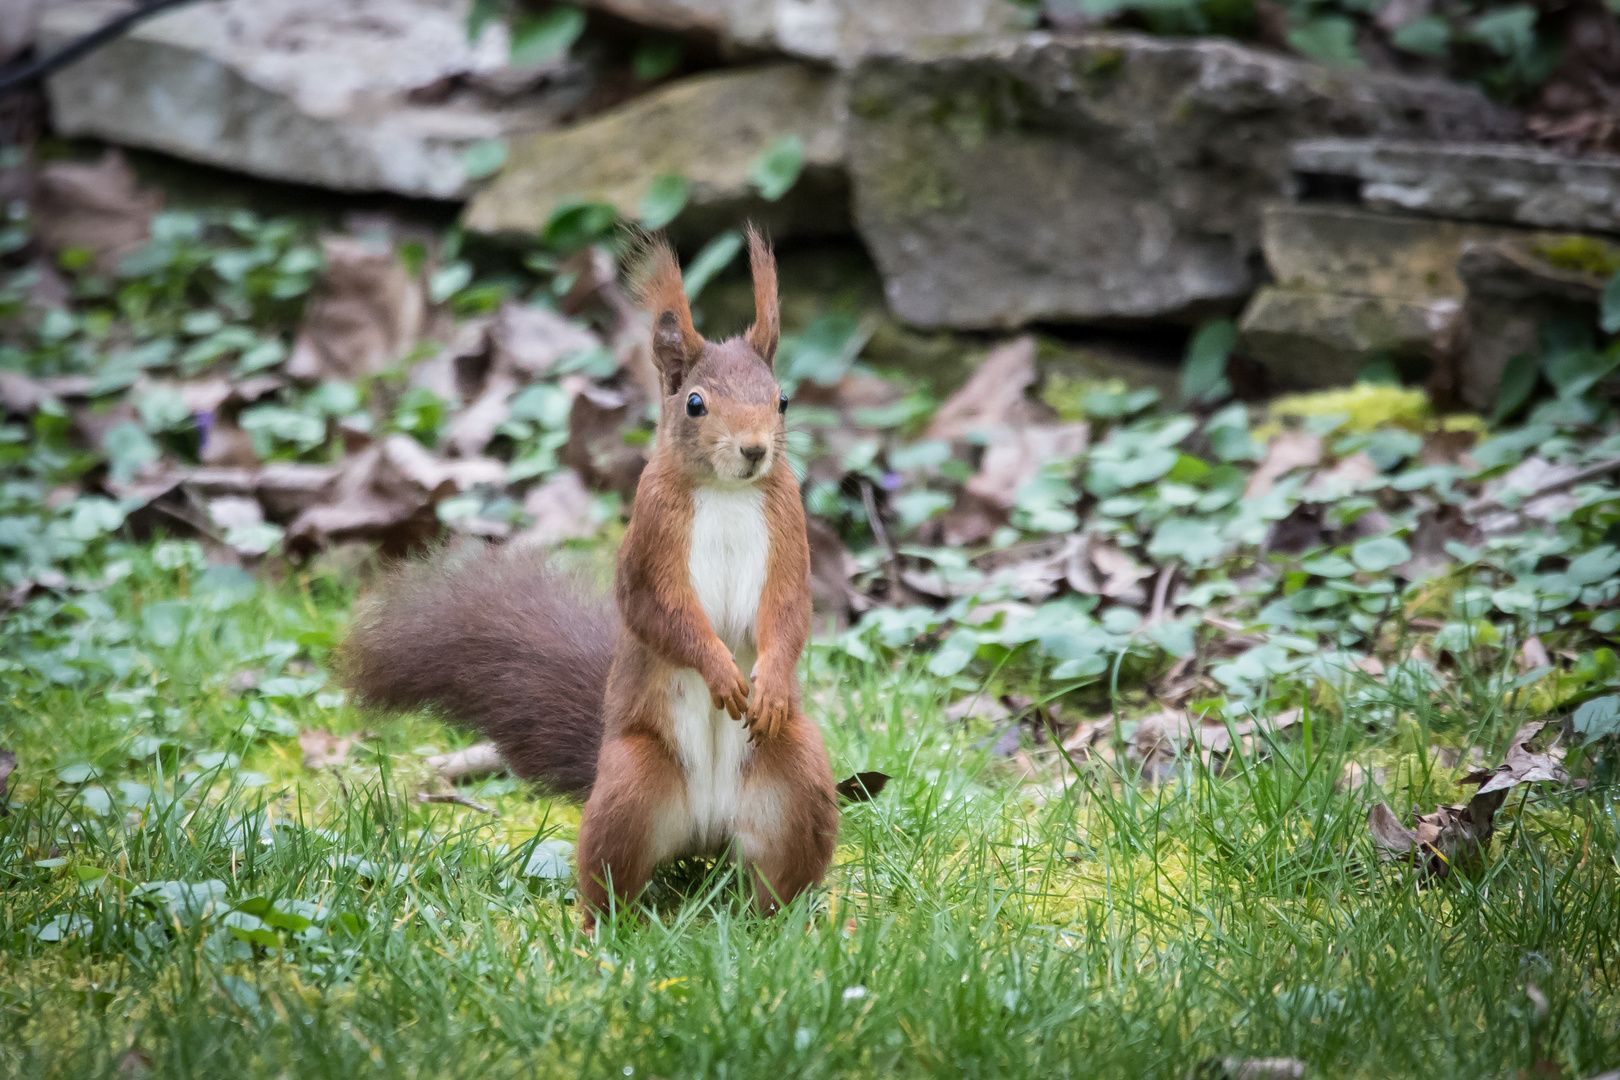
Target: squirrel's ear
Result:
[767, 328]
[676, 342]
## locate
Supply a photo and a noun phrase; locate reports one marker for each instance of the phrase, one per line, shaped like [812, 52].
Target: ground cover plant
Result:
[1223, 738]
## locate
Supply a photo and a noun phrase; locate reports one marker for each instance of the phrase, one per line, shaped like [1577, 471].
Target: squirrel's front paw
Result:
[728, 690]
[771, 707]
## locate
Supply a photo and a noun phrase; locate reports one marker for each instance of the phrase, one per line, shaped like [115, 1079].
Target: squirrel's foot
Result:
[770, 709]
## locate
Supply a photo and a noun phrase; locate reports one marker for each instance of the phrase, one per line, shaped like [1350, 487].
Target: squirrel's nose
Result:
[754, 454]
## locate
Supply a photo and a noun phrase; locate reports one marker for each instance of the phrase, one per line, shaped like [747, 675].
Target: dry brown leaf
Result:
[1122, 575]
[1236, 1068]
[1340, 480]
[366, 503]
[831, 569]
[529, 341]
[1451, 838]
[286, 488]
[1015, 455]
[99, 207]
[234, 511]
[1520, 765]
[597, 424]
[1532, 655]
[366, 315]
[1355, 776]
[1288, 451]
[562, 509]
[1435, 528]
[994, 397]
[482, 759]
[322, 749]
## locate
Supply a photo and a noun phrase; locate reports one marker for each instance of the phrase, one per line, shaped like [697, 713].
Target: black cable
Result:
[38, 69]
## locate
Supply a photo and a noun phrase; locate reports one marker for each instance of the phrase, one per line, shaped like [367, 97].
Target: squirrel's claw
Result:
[730, 692]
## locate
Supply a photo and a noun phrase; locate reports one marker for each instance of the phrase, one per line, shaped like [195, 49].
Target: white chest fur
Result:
[730, 544]
[729, 548]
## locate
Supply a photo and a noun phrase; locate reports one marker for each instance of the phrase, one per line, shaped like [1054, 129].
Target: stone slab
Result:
[709, 129]
[1095, 177]
[1511, 183]
[309, 91]
[840, 31]
[1311, 340]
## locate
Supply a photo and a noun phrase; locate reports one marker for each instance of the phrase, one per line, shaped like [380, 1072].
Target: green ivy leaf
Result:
[1611, 306]
[776, 168]
[1330, 39]
[1518, 382]
[483, 159]
[1426, 36]
[1598, 718]
[715, 257]
[542, 38]
[1379, 553]
[664, 201]
[1203, 372]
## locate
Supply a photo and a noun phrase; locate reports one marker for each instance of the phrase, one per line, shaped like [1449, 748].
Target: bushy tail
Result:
[499, 640]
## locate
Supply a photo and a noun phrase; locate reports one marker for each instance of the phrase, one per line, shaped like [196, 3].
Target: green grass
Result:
[978, 922]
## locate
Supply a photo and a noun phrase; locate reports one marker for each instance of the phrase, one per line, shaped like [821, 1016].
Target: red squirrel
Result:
[645, 712]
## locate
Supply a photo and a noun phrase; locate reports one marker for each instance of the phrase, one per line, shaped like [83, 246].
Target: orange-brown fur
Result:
[501, 641]
[639, 774]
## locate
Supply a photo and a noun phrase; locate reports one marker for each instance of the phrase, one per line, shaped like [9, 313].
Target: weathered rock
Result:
[1349, 250]
[837, 30]
[1512, 295]
[1308, 339]
[1102, 176]
[319, 92]
[1508, 183]
[707, 129]
[1353, 287]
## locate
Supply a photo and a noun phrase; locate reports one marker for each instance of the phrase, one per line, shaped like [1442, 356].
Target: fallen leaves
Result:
[863, 786]
[100, 209]
[367, 314]
[324, 750]
[1458, 837]
[1288, 451]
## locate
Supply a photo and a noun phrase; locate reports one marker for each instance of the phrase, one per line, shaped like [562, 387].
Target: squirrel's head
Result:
[722, 409]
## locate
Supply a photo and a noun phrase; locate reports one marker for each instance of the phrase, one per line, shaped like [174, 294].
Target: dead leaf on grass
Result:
[1341, 480]
[1435, 528]
[1288, 451]
[831, 569]
[562, 509]
[598, 422]
[1122, 575]
[324, 750]
[863, 786]
[530, 341]
[1520, 765]
[367, 313]
[1015, 455]
[481, 759]
[1453, 837]
[100, 207]
[994, 397]
[1236, 1068]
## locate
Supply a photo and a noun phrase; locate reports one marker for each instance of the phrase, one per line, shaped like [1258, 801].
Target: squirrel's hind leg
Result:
[787, 823]
[635, 818]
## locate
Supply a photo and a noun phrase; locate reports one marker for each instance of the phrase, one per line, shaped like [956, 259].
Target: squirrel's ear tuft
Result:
[676, 342]
[767, 328]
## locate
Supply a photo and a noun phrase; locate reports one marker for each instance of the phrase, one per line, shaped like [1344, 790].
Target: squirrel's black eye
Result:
[695, 406]
[781, 405]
